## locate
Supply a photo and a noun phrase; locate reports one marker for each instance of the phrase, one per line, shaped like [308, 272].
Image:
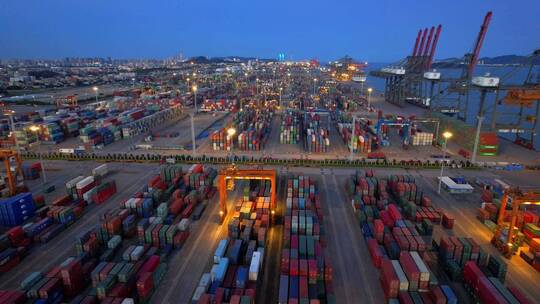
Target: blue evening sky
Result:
[375, 30]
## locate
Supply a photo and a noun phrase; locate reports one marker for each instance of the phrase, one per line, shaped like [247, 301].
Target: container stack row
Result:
[361, 140]
[115, 263]
[222, 141]
[290, 129]
[253, 128]
[306, 271]
[316, 134]
[238, 259]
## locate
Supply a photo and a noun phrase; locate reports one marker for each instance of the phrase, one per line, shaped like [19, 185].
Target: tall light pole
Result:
[369, 90]
[447, 135]
[314, 83]
[132, 82]
[477, 138]
[352, 137]
[96, 90]
[194, 148]
[10, 113]
[257, 85]
[194, 88]
[35, 129]
[280, 89]
[231, 131]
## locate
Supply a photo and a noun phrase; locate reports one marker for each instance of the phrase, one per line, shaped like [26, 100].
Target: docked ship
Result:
[348, 69]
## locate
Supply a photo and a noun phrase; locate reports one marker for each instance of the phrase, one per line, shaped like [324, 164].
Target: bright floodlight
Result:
[231, 131]
[95, 89]
[370, 90]
[447, 135]
[314, 79]
[194, 88]
[34, 128]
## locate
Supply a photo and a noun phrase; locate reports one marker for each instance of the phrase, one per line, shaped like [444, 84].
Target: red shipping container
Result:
[405, 298]
[375, 252]
[303, 268]
[144, 284]
[447, 221]
[394, 212]
[426, 298]
[204, 299]
[150, 265]
[411, 270]
[437, 295]
[487, 293]
[472, 274]
[389, 279]
[219, 296]
[303, 287]
[518, 294]
[294, 267]
[285, 261]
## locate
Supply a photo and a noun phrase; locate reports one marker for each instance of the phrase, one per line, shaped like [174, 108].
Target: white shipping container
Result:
[197, 294]
[403, 282]
[101, 170]
[72, 183]
[137, 253]
[87, 196]
[424, 271]
[255, 266]
[85, 182]
[184, 224]
[205, 281]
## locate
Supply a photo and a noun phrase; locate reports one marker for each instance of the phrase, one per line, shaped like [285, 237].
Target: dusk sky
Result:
[377, 31]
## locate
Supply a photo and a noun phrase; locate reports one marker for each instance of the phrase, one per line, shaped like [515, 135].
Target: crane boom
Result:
[478, 44]
[428, 44]
[434, 47]
[416, 43]
[421, 50]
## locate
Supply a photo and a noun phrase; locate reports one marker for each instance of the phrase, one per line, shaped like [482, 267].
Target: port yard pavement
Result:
[41, 258]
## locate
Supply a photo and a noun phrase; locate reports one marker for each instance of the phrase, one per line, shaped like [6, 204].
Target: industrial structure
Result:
[404, 79]
[227, 177]
[505, 234]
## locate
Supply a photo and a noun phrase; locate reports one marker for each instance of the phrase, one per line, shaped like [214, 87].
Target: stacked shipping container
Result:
[142, 267]
[253, 128]
[306, 272]
[290, 128]
[239, 259]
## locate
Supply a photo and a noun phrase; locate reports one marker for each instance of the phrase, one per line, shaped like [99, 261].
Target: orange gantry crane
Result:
[516, 197]
[7, 156]
[523, 96]
[228, 175]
